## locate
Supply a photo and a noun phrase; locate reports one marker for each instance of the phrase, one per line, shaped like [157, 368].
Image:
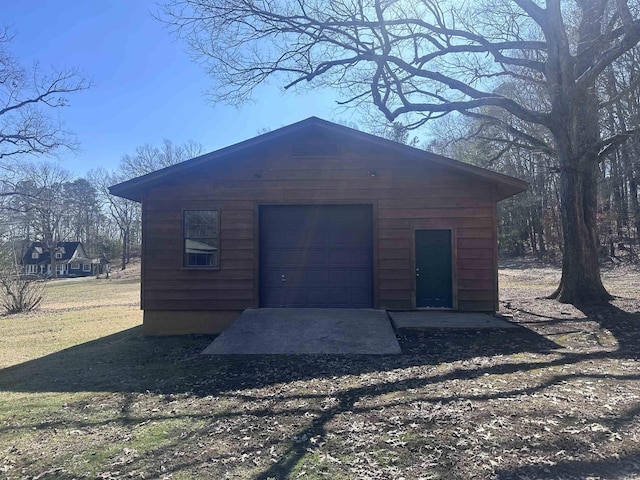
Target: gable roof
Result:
[68, 249]
[506, 186]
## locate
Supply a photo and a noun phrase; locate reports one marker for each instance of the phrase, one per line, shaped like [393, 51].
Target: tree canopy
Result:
[509, 63]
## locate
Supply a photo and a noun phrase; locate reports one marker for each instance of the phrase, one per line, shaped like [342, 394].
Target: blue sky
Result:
[146, 88]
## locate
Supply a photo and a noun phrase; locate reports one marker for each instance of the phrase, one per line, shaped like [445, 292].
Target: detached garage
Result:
[315, 215]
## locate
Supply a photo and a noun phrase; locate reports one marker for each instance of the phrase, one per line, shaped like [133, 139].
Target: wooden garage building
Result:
[315, 215]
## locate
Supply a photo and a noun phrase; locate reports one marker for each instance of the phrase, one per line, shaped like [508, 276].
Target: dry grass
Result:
[73, 312]
[83, 395]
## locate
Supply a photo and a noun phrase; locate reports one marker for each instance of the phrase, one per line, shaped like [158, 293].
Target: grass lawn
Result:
[84, 395]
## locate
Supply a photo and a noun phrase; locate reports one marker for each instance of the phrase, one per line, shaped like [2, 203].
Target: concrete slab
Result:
[449, 320]
[307, 331]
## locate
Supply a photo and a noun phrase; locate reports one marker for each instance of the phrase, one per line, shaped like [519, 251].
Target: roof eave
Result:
[133, 189]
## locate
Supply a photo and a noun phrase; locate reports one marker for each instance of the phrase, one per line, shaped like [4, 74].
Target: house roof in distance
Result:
[133, 189]
[67, 249]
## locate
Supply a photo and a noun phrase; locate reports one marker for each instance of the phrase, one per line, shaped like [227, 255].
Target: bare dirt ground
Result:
[558, 398]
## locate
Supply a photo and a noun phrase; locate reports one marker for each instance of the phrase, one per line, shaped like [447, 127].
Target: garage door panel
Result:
[271, 276]
[339, 258]
[273, 237]
[294, 258]
[340, 297]
[291, 239]
[274, 259]
[318, 239]
[324, 251]
[296, 298]
[341, 239]
[316, 257]
[350, 238]
[360, 258]
[359, 277]
[279, 276]
[349, 257]
[316, 297]
[320, 297]
[315, 277]
[360, 298]
[339, 277]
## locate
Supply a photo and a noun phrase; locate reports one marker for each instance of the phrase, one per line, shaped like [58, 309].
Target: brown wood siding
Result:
[406, 195]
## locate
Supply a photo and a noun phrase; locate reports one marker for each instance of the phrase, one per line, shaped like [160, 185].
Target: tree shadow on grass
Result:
[125, 361]
[621, 326]
[130, 362]
[624, 466]
[624, 327]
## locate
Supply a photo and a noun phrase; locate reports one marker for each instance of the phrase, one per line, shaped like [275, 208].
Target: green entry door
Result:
[434, 269]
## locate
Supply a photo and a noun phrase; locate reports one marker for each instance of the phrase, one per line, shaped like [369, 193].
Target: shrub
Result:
[19, 292]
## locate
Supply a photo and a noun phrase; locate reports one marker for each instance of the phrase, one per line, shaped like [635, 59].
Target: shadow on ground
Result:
[621, 326]
[129, 362]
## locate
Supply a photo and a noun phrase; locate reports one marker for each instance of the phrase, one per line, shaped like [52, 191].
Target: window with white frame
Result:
[86, 267]
[75, 266]
[58, 255]
[35, 255]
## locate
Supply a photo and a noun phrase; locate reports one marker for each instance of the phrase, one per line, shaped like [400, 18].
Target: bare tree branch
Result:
[29, 99]
[416, 61]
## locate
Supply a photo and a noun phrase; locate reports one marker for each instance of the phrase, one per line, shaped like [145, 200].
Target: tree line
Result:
[531, 223]
[48, 204]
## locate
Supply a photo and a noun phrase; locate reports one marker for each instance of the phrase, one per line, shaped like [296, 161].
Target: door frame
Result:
[454, 268]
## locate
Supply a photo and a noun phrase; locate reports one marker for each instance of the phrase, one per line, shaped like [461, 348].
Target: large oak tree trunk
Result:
[577, 139]
[576, 130]
[581, 282]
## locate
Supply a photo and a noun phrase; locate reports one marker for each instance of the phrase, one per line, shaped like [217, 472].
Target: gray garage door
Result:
[316, 256]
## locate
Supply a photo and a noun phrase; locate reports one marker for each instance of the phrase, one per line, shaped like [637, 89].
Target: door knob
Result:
[283, 278]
